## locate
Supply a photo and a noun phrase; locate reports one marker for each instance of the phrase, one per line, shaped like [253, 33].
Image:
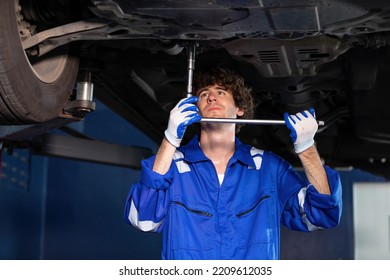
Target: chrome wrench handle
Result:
[249, 121]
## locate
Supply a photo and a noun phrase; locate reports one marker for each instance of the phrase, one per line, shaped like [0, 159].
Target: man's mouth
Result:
[214, 108]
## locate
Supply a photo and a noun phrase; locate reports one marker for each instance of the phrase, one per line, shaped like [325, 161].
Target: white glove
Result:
[182, 115]
[303, 127]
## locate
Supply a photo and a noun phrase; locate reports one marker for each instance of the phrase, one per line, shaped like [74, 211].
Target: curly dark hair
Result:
[231, 81]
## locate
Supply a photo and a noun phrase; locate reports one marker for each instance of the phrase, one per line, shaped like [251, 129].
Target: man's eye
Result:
[221, 92]
[203, 94]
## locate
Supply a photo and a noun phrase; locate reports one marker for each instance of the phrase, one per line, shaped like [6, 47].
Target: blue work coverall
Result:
[240, 219]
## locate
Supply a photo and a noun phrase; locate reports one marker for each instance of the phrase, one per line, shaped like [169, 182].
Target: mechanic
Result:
[218, 198]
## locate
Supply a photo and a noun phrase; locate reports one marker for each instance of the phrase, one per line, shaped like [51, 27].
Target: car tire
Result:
[31, 91]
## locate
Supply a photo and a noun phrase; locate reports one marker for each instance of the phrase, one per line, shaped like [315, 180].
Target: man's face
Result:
[217, 102]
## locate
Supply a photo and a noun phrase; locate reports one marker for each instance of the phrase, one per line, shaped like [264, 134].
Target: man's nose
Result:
[212, 97]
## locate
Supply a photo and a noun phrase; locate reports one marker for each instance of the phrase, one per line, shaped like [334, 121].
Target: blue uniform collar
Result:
[193, 153]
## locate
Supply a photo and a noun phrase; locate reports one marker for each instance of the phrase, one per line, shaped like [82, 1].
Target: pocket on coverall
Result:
[192, 230]
[256, 222]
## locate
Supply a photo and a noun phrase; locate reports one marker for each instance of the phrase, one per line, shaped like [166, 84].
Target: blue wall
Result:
[66, 209]
[22, 206]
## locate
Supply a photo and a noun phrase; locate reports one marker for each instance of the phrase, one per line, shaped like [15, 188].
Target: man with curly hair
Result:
[218, 198]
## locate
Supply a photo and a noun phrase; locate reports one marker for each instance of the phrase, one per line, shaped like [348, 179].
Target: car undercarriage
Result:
[330, 55]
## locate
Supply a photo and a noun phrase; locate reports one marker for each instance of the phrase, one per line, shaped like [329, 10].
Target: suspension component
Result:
[83, 102]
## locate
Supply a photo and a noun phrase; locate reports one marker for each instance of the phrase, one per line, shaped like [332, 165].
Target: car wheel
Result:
[32, 89]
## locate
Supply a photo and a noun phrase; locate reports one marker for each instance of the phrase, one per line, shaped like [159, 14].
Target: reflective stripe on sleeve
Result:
[142, 225]
[301, 200]
[181, 165]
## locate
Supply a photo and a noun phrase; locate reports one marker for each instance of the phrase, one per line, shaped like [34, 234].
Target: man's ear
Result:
[240, 112]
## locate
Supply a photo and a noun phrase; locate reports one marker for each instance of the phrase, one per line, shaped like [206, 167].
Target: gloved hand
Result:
[303, 127]
[181, 116]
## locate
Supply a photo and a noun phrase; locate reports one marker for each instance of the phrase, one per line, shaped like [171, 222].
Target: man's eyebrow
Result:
[221, 87]
[201, 89]
[207, 88]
